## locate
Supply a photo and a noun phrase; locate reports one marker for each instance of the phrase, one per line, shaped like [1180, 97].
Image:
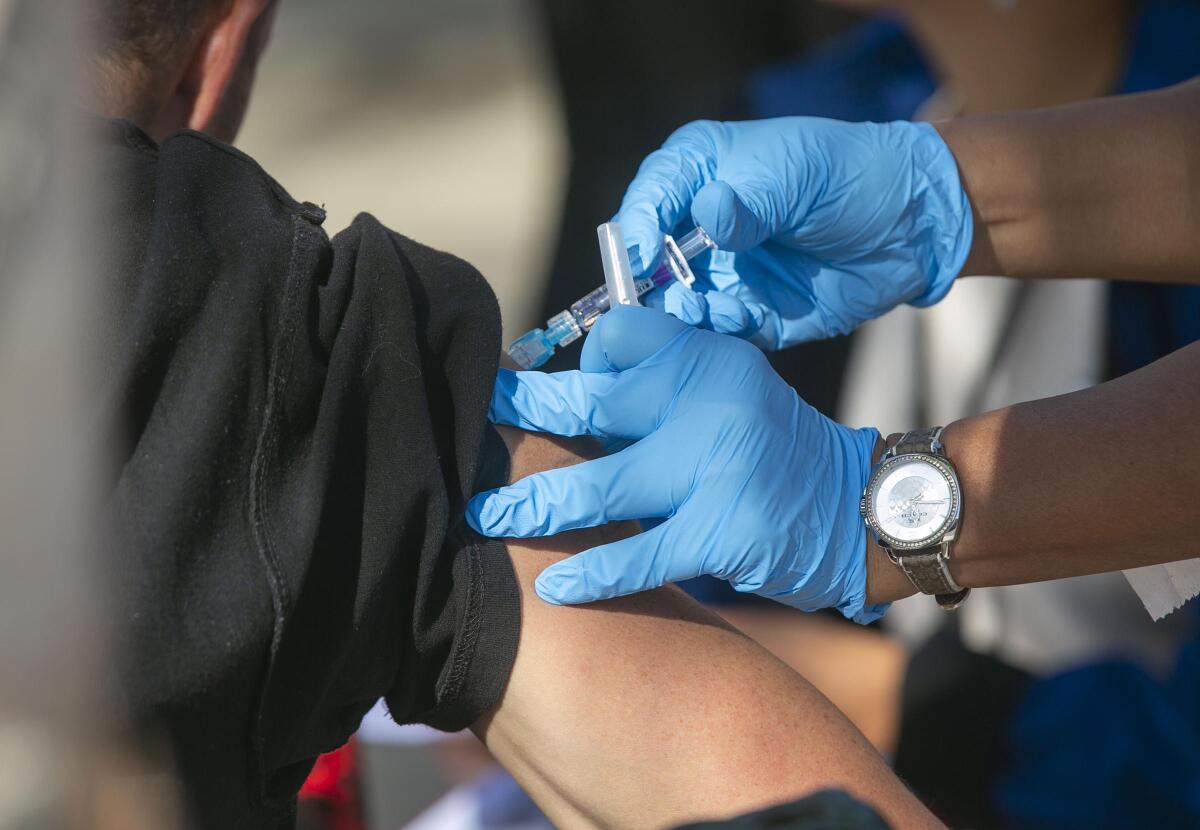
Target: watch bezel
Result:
[867, 509]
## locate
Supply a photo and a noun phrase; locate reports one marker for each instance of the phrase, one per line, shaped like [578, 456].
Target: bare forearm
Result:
[648, 711]
[1098, 480]
[1105, 189]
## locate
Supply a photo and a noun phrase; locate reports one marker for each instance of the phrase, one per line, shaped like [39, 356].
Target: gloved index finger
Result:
[637, 563]
[558, 403]
[660, 195]
[628, 485]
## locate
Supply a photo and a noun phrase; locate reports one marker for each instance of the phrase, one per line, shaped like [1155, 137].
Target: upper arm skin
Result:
[648, 711]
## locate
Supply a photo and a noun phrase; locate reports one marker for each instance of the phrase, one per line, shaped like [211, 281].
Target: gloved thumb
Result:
[626, 336]
[736, 221]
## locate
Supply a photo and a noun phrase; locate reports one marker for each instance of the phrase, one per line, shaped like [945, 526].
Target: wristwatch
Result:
[912, 504]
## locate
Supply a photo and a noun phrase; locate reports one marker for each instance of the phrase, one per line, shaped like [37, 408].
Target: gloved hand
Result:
[754, 485]
[822, 224]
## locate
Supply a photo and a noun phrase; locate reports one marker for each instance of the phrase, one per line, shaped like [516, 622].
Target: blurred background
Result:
[504, 131]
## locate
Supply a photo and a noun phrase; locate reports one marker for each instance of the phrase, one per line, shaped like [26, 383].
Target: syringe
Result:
[535, 347]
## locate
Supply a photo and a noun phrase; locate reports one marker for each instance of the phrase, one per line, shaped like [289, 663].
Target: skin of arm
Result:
[1109, 188]
[1097, 480]
[859, 669]
[649, 711]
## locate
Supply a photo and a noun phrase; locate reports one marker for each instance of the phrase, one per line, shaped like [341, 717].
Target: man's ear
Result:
[216, 60]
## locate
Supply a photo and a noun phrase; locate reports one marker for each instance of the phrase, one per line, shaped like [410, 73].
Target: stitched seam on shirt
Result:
[465, 652]
[264, 447]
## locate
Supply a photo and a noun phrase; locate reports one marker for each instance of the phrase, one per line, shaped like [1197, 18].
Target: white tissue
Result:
[1163, 588]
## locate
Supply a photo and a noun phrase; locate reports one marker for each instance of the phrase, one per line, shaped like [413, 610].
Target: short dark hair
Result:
[137, 42]
[149, 32]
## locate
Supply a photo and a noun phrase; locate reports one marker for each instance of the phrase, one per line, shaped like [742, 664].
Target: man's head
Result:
[170, 64]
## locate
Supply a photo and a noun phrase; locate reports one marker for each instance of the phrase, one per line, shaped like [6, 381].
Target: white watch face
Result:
[913, 501]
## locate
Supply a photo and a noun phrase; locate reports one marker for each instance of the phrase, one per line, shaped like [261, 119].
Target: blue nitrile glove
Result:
[822, 224]
[755, 486]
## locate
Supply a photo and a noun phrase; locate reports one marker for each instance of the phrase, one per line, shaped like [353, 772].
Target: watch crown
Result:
[862, 507]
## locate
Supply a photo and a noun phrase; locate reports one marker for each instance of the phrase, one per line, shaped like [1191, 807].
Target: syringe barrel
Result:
[588, 308]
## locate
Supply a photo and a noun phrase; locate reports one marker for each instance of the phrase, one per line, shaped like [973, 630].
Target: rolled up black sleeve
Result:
[298, 422]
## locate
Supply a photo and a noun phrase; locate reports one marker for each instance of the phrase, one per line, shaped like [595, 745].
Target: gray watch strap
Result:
[920, 440]
[929, 568]
[929, 571]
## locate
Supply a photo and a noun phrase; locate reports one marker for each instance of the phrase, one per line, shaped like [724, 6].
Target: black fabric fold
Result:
[297, 425]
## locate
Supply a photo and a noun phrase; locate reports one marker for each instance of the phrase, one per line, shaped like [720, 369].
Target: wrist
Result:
[943, 196]
[1003, 205]
[972, 458]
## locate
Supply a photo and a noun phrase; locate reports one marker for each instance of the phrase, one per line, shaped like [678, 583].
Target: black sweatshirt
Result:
[296, 423]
